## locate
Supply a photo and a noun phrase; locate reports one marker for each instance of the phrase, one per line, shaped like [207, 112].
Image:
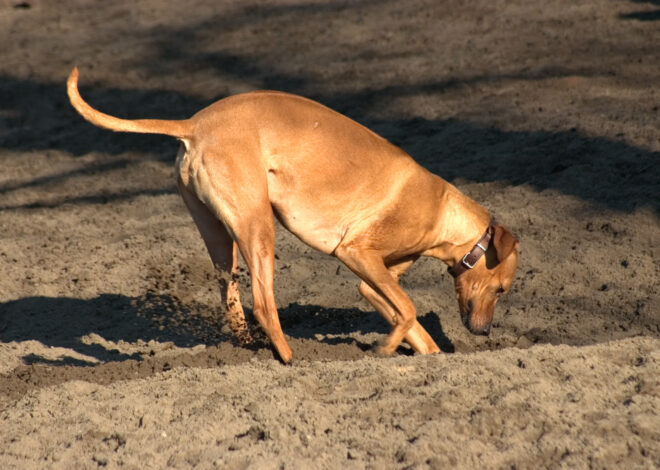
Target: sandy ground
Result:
[112, 348]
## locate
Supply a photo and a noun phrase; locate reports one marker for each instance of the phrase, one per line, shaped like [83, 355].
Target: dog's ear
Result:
[503, 242]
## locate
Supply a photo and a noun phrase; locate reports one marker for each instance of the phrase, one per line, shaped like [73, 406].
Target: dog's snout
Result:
[474, 325]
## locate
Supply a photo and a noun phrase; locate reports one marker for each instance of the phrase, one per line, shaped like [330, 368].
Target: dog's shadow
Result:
[96, 328]
[347, 326]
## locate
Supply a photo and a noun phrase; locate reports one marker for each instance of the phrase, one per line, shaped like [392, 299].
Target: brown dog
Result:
[338, 187]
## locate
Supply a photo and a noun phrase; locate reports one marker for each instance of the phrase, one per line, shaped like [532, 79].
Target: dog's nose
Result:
[485, 331]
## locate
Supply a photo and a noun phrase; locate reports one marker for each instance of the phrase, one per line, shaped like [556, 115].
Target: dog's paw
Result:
[244, 338]
[381, 350]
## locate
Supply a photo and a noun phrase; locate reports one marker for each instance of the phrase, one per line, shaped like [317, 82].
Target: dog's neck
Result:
[460, 224]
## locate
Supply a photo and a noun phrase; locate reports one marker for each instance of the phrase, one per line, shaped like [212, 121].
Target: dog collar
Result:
[471, 257]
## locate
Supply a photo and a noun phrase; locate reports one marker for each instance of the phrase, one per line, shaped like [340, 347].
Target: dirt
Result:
[113, 352]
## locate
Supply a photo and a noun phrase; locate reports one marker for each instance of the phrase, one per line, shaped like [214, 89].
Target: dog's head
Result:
[479, 288]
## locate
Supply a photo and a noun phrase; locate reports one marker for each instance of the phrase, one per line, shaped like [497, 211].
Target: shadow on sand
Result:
[65, 322]
[38, 118]
[608, 173]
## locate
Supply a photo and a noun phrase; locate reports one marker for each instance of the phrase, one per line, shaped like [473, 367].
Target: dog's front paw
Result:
[382, 350]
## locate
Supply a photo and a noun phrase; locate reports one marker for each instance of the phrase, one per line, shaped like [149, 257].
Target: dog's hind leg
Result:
[232, 184]
[417, 336]
[256, 241]
[223, 252]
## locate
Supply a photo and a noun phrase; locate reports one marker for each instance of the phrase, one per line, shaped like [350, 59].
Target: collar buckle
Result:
[465, 263]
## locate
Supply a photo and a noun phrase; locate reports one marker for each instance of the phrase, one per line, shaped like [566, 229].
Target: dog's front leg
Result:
[370, 267]
[417, 337]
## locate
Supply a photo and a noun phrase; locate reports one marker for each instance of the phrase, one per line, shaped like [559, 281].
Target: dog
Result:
[338, 187]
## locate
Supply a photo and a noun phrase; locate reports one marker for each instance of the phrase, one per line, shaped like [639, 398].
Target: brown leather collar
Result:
[472, 256]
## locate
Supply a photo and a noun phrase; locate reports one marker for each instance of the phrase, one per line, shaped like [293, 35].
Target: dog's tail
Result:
[179, 129]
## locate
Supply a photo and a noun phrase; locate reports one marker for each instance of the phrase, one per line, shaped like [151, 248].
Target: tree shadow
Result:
[609, 173]
[645, 15]
[603, 171]
[642, 16]
[40, 117]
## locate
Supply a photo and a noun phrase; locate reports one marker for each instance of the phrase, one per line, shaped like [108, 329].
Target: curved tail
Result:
[179, 129]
